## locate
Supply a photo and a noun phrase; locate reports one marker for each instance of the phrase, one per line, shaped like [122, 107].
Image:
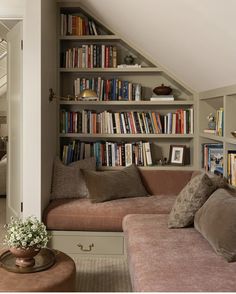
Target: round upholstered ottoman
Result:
[58, 278]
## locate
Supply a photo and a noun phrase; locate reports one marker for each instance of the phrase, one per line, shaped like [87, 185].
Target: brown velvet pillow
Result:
[110, 185]
[216, 221]
[189, 200]
[68, 181]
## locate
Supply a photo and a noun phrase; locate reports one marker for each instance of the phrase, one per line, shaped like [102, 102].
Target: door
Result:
[14, 121]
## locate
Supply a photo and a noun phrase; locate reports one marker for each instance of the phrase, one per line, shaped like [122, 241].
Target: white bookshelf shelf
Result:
[128, 103]
[90, 38]
[111, 70]
[212, 137]
[126, 136]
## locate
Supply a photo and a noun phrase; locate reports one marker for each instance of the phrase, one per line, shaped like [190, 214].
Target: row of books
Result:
[109, 89]
[220, 122]
[133, 122]
[109, 153]
[77, 25]
[90, 56]
[212, 159]
[231, 169]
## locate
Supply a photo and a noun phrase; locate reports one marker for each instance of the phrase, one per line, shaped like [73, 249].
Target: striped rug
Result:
[94, 274]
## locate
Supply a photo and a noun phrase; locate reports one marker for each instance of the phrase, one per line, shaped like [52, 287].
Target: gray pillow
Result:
[189, 200]
[110, 185]
[216, 221]
[68, 181]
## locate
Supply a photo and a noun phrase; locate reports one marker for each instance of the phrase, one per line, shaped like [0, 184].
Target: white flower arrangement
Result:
[26, 233]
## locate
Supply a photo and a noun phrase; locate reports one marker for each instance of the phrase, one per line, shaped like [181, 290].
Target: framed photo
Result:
[178, 155]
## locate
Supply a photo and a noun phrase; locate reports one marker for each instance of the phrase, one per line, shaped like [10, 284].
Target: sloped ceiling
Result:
[194, 39]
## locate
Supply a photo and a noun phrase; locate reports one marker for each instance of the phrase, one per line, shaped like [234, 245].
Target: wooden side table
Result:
[61, 277]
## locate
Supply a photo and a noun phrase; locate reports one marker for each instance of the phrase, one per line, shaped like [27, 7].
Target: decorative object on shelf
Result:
[179, 155]
[52, 96]
[129, 60]
[25, 239]
[88, 95]
[162, 90]
[43, 260]
[211, 121]
[233, 134]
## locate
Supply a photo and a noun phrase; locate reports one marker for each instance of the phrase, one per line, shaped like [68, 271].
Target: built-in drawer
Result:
[88, 243]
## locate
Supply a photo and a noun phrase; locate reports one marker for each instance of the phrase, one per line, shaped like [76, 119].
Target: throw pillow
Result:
[110, 185]
[216, 221]
[68, 181]
[189, 200]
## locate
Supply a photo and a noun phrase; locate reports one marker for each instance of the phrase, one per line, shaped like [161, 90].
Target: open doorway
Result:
[6, 25]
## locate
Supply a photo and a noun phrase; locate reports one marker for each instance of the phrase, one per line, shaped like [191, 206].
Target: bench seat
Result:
[170, 260]
[82, 215]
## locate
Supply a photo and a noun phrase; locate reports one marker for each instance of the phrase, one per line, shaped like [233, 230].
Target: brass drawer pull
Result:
[84, 249]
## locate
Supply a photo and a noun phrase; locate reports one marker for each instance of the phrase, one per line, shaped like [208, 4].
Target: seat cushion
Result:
[82, 215]
[173, 260]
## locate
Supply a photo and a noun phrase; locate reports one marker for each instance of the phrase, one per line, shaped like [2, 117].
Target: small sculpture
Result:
[129, 59]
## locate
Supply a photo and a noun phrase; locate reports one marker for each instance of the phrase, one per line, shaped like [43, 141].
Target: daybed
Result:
[78, 221]
[159, 258]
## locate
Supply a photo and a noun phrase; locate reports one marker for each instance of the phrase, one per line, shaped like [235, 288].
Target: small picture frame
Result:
[179, 155]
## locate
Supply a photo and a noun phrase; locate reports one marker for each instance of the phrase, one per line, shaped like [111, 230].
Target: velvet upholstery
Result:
[111, 185]
[81, 214]
[216, 221]
[162, 259]
[165, 182]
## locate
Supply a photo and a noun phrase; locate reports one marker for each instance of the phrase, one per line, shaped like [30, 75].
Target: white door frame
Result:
[8, 123]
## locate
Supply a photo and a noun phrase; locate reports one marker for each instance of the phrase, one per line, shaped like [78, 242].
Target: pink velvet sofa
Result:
[170, 260]
[82, 215]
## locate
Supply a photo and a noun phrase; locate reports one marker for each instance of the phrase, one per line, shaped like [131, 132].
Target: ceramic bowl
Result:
[233, 133]
[162, 90]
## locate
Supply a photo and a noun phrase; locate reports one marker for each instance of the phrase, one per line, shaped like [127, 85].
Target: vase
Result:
[24, 256]
[212, 125]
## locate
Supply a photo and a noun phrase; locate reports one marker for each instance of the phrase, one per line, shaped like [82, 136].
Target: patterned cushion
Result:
[68, 181]
[189, 200]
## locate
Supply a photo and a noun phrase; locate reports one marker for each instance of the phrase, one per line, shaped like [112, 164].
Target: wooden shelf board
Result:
[212, 137]
[230, 140]
[90, 38]
[128, 103]
[126, 136]
[111, 70]
[152, 167]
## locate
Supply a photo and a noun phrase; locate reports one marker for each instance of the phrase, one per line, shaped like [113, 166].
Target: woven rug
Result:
[94, 274]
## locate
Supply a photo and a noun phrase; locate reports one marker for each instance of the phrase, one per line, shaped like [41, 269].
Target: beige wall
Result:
[194, 39]
[48, 110]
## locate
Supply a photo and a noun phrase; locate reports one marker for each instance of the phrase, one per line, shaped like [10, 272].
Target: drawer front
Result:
[89, 244]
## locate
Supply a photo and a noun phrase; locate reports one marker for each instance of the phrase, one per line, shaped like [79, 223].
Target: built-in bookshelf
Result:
[220, 102]
[123, 120]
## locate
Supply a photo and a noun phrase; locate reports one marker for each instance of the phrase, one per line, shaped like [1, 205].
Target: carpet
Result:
[94, 274]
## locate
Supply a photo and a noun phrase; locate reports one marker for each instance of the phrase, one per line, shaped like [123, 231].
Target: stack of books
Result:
[231, 168]
[128, 122]
[108, 89]
[77, 25]
[162, 98]
[90, 56]
[109, 153]
[212, 157]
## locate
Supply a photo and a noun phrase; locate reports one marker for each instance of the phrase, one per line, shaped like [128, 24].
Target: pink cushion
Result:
[81, 214]
[162, 259]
